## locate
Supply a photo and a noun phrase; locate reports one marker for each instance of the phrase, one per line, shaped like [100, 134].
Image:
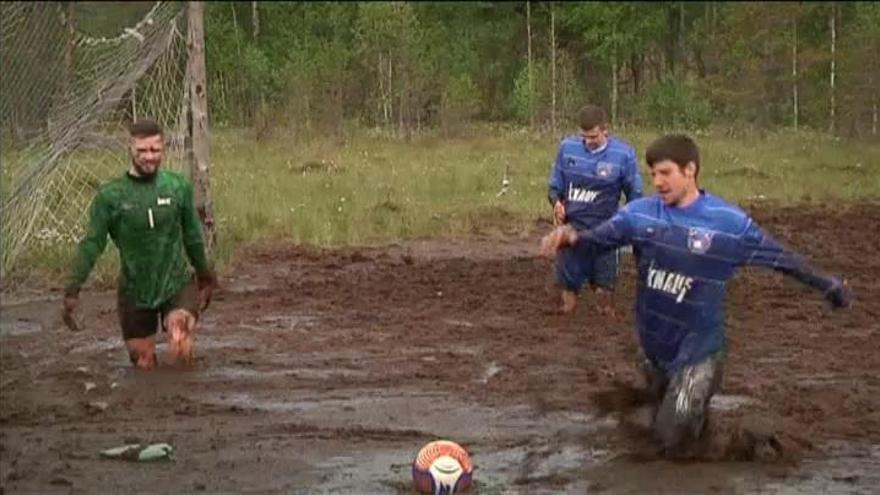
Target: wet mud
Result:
[325, 371]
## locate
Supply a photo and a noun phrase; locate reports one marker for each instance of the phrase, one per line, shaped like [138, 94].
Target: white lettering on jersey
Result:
[581, 195]
[673, 283]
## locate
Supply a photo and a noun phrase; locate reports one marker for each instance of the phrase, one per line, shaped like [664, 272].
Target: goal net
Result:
[74, 74]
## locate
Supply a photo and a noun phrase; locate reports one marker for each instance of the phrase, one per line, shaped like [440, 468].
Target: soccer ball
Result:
[442, 467]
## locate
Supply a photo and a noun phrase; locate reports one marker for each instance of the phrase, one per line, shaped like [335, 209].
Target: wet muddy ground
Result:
[326, 371]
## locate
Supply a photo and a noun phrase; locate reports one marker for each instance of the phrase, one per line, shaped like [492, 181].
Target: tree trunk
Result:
[794, 77]
[714, 18]
[707, 17]
[134, 113]
[380, 101]
[698, 59]
[69, 50]
[833, 105]
[389, 89]
[256, 19]
[680, 43]
[552, 68]
[874, 108]
[671, 41]
[614, 85]
[698, 47]
[198, 92]
[60, 98]
[529, 48]
[635, 67]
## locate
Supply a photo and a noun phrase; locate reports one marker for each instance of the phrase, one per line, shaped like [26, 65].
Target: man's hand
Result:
[71, 302]
[207, 283]
[840, 295]
[558, 213]
[560, 237]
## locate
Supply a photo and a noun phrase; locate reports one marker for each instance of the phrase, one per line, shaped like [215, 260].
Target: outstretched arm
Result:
[610, 235]
[760, 249]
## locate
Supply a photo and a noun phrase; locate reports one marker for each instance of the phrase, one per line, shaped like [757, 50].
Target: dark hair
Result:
[145, 128]
[591, 116]
[674, 147]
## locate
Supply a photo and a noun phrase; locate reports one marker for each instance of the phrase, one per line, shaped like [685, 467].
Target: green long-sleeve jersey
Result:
[154, 224]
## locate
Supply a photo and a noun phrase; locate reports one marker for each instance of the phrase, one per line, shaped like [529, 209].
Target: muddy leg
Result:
[569, 302]
[683, 414]
[181, 325]
[142, 352]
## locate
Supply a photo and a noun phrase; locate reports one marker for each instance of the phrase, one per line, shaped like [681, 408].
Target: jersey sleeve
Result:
[193, 241]
[632, 179]
[760, 249]
[615, 232]
[92, 245]
[556, 182]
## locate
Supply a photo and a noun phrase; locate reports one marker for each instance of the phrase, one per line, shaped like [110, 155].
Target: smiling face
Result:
[676, 185]
[146, 154]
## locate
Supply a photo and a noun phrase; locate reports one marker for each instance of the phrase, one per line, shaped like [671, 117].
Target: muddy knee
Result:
[683, 413]
[677, 427]
[142, 356]
[181, 326]
[180, 323]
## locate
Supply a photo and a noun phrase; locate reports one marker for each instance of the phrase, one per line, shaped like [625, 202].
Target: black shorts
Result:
[140, 323]
[573, 270]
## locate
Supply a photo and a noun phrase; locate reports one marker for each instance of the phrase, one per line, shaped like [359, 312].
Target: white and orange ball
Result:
[442, 467]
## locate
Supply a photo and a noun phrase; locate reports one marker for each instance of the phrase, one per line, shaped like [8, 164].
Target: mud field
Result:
[324, 372]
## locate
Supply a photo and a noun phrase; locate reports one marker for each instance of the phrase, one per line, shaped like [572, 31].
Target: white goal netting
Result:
[72, 76]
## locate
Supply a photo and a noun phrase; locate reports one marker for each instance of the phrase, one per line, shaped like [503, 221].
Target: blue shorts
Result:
[572, 271]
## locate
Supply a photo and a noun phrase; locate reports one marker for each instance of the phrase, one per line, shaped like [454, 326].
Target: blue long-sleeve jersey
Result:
[687, 257]
[590, 183]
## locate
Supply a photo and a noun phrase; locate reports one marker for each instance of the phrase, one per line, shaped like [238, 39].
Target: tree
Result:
[386, 35]
[553, 67]
[832, 107]
[794, 72]
[614, 32]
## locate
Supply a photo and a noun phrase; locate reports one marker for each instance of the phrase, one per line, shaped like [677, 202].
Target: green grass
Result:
[366, 189]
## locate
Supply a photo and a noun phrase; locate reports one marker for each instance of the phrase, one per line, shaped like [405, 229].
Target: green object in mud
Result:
[138, 452]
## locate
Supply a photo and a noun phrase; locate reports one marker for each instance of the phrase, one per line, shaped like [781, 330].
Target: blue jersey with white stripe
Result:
[687, 256]
[589, 183]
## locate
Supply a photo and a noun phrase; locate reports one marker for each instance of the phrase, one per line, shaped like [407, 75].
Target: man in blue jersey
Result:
[591, 171]
[691, 243]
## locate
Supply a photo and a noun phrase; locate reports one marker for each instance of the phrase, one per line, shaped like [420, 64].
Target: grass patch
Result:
[366, 189]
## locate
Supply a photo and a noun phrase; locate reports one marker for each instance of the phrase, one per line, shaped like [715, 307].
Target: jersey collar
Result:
[600, 150]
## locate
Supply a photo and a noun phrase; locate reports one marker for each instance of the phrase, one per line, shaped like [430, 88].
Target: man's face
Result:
[146, 154]
[595, 138]
[671, 182]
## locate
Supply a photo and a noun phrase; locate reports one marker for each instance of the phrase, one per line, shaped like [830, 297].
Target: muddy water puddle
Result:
[18, 328]
[517, 450]
[511, 446]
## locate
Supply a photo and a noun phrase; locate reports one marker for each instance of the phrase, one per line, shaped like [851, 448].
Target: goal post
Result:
[73, 76]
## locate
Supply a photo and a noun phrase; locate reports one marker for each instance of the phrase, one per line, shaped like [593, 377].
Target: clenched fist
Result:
[558, 213]
[559, 238]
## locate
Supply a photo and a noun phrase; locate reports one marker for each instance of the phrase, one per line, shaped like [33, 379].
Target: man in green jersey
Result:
[150, 215]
